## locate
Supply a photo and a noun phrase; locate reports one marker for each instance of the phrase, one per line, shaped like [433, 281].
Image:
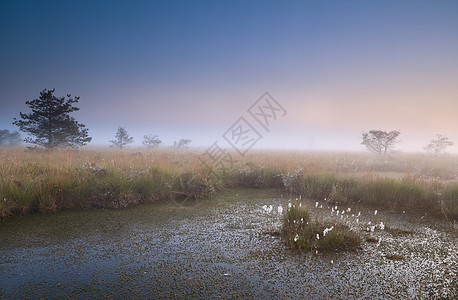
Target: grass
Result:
[305, 234]
[49, 181]
[394, 194]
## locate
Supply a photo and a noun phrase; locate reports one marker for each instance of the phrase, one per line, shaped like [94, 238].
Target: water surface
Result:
[219, 248]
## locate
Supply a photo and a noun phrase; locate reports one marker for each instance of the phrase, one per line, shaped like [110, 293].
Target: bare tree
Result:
[182, 143]
[121, 138]
[379, 141]
[438, 145]
[151, 141]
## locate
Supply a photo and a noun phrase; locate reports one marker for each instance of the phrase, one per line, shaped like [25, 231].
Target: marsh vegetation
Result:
[331, 223]
[50, 181]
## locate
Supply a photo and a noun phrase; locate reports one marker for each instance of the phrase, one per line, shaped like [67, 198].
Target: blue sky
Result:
[192, 68]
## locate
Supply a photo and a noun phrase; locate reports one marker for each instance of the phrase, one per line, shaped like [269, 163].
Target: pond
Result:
[224, 247]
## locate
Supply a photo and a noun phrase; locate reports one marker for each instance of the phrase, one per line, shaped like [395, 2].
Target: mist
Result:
[183, 70]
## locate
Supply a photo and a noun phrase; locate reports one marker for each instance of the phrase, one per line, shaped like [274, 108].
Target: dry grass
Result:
[48, 181]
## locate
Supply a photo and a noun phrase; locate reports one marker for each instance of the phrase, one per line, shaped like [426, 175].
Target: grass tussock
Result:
[305, 234]
[49, 181]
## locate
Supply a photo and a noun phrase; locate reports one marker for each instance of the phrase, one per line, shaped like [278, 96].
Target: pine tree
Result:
[182, 143]
[121, 138]
[151, 141]
[379, 141]
[438, 145]
[50, 124]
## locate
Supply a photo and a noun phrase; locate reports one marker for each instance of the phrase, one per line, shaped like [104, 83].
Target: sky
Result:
[192, 69]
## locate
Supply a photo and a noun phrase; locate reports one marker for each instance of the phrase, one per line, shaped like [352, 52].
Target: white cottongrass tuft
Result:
[382, 226]
[317, 236]
[375, 212]
[296, 238]
[370, 228]
[316, 204]
[267, 209]
[280, 210]
[326, 230]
